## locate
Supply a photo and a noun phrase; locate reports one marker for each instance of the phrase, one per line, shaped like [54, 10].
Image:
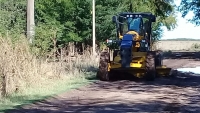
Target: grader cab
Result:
[132, 52]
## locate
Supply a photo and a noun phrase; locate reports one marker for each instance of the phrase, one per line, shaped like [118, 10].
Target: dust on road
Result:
[180, 94]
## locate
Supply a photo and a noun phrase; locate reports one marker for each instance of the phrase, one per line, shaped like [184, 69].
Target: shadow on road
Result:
[181, 81]
[105, 106]
[168, 102]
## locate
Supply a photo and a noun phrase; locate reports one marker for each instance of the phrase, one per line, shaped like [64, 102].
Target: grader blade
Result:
[140, 72]
[163, 71]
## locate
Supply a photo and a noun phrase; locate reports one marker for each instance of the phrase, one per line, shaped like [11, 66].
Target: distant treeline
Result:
[180, 39]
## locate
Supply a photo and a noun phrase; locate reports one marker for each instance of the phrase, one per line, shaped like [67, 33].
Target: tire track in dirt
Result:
[179, 94]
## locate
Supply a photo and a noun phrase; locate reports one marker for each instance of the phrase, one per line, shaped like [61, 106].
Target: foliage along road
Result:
[165, 95]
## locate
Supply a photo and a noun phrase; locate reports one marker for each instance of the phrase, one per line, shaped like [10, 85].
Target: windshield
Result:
[134, 24]
[129, 24]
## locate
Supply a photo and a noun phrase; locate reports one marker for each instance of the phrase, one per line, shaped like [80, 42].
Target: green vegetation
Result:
[195, 46]
[25, 78]
[63, 29]
[60, 21]
[31, 95]
[164, 11]
[191, 5]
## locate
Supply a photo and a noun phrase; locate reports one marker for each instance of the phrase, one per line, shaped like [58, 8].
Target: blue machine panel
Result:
[127, 41]
[126, 46]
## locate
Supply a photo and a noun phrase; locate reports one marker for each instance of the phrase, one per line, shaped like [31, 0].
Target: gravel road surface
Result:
[180, 94]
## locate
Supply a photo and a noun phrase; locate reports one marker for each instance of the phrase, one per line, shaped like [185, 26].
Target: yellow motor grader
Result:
[131, 52]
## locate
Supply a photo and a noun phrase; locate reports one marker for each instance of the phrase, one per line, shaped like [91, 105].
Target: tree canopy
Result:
[191, 5]
[164, 11]
[71, 20]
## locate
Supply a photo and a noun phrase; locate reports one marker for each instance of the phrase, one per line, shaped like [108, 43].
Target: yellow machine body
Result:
[131, 41]
[137, 66]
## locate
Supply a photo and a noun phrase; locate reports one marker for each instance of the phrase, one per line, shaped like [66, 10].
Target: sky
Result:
[184, 29]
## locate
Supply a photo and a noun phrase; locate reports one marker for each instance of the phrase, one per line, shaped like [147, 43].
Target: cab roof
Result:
[137, 14]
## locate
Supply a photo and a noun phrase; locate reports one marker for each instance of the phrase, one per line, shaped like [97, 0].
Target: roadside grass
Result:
[32, 94]
[25, 79]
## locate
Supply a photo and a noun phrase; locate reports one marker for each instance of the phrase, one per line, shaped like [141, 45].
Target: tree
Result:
[64, 21]
[70, 21]
[163, 10]
[191, 5]
[105, 9]
[13, 17]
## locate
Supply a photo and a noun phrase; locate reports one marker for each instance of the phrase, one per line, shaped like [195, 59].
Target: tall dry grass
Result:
[20, 69]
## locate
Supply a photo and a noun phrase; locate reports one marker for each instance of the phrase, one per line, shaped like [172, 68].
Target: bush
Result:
[195, 46]
[167, 53]
[19, 69]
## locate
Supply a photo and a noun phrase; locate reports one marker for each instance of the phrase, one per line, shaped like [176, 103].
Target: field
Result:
[178, 45]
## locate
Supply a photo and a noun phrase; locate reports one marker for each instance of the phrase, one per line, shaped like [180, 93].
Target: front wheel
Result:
[103, 73]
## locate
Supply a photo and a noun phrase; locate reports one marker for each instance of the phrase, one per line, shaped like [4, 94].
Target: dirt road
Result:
[165, 95]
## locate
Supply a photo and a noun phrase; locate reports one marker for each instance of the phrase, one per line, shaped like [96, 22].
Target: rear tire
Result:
[158, 58]
[115, 53]
[150, 68]
[103, 73]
